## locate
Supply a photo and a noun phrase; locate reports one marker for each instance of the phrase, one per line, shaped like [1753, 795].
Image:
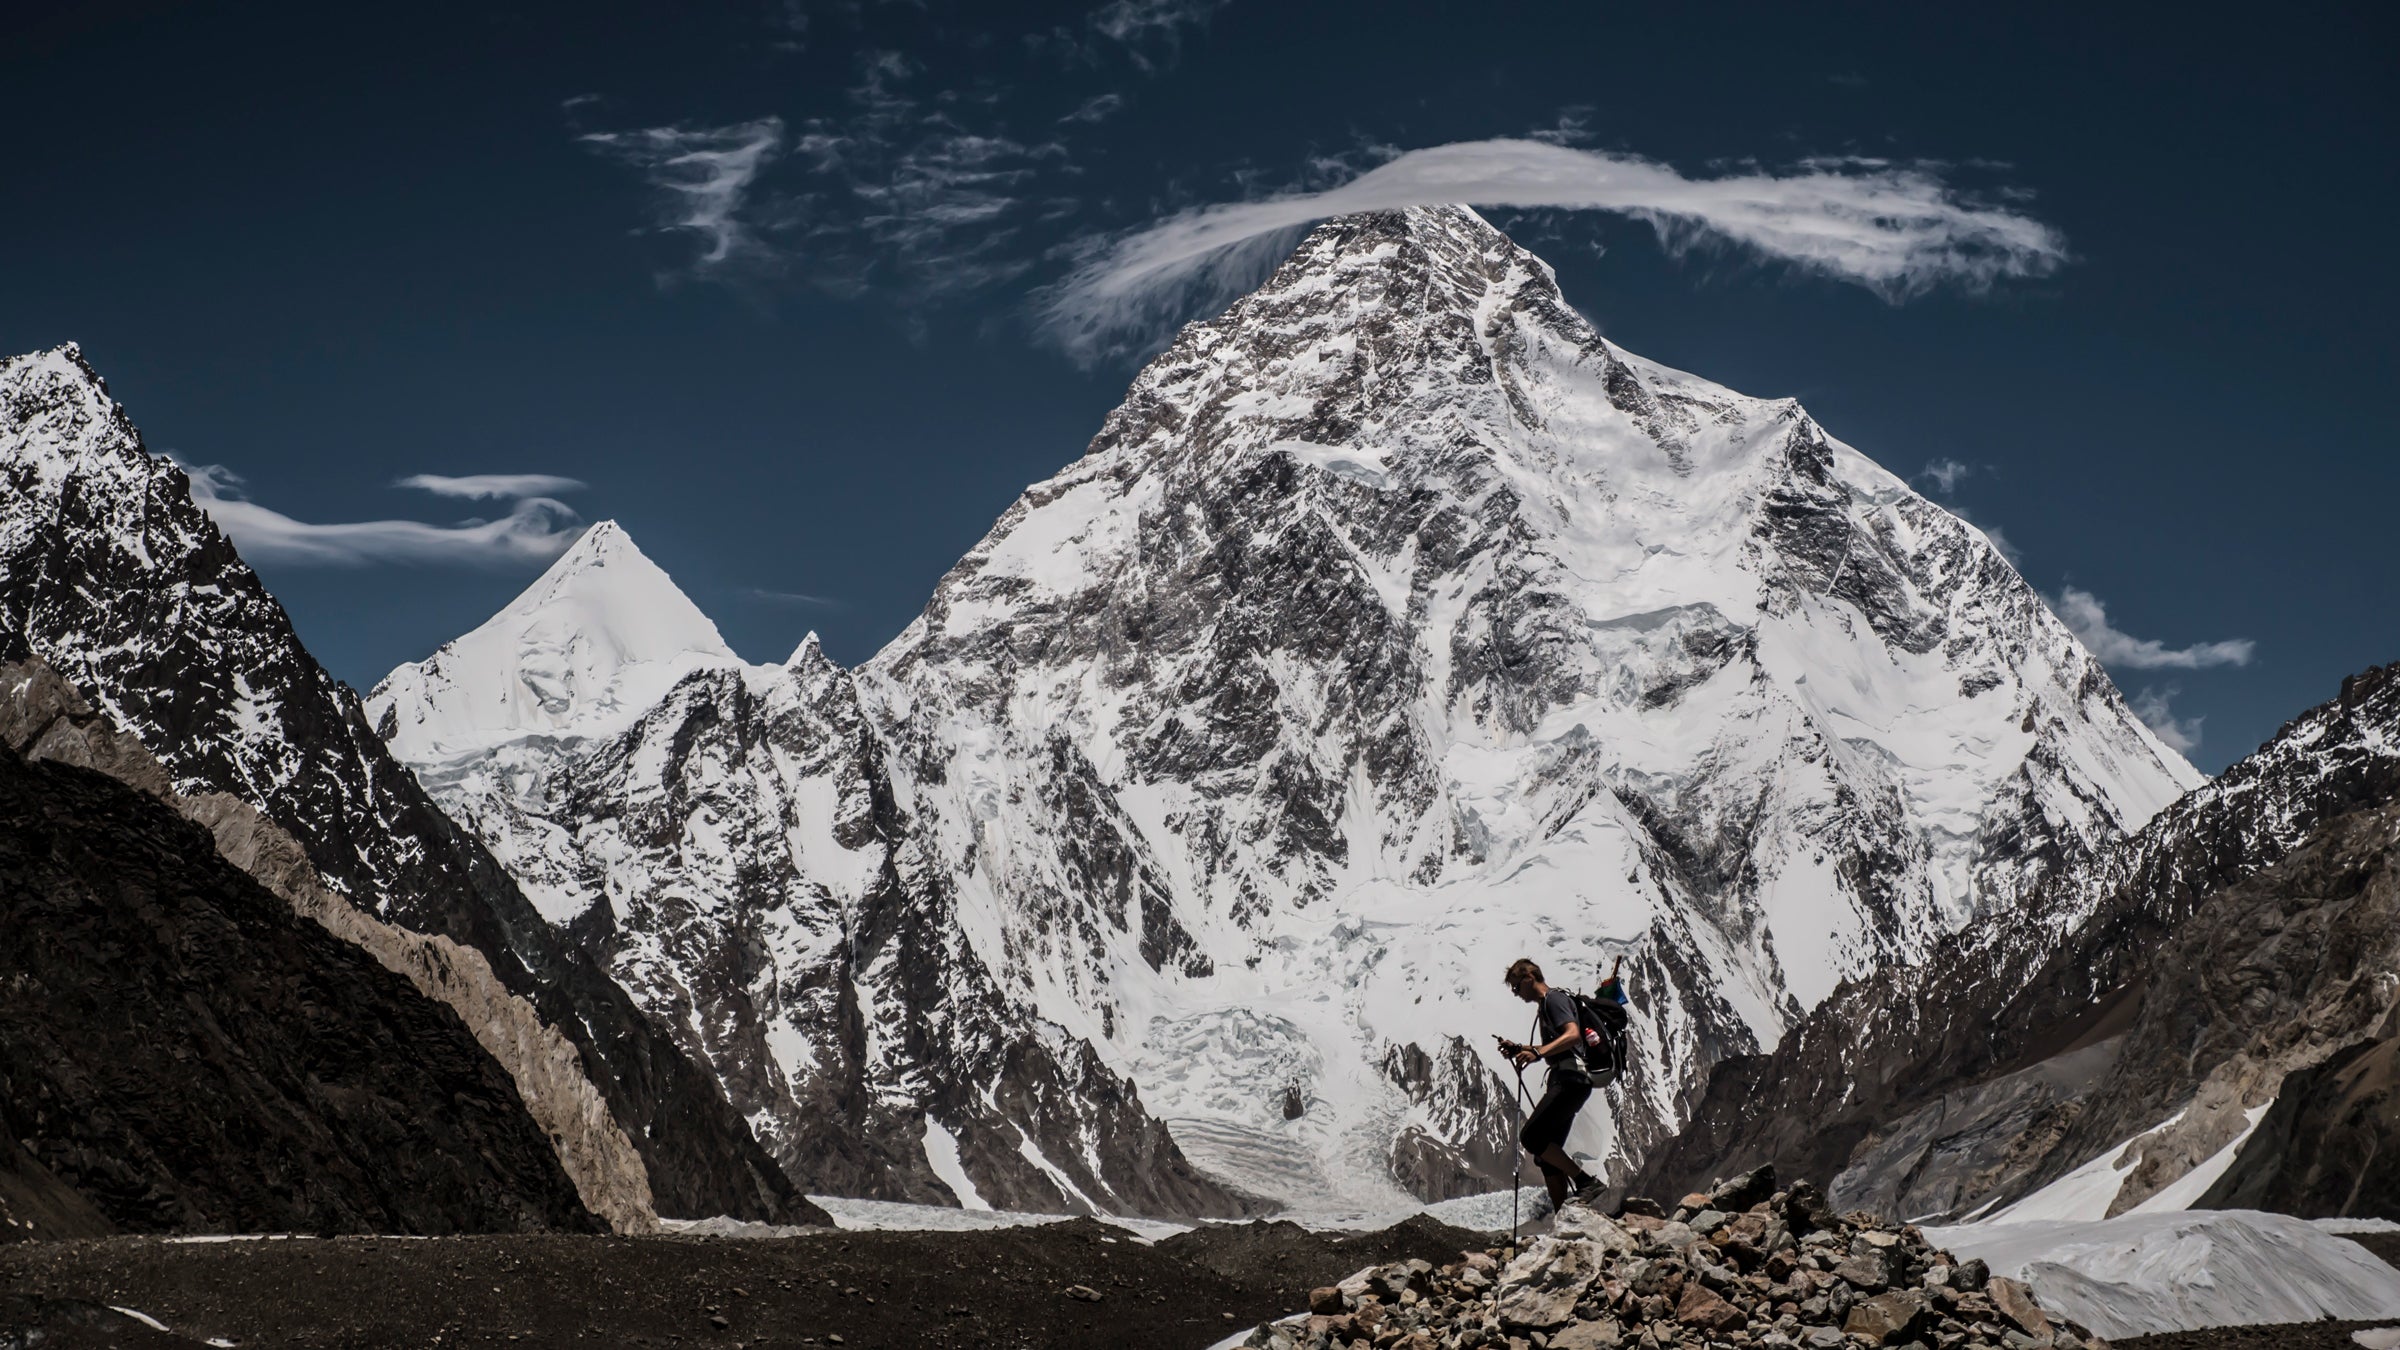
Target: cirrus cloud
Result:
[1896, 229]
[491, 486]
[702, 177]
[536, 529]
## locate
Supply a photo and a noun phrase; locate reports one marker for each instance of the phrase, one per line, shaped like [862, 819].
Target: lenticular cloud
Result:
[1896, 230]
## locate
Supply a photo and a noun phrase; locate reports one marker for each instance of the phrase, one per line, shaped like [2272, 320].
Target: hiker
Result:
[1569, 1086]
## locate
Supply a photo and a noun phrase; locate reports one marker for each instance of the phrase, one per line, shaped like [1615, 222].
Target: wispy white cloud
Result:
[492, 486]
[1143, 25]
[1098, 108]
[536, 529]
[1945, 474]
[2182, 734]
[702, 178]
[2088, 619]
[922, 193]
[792, 598]
[1896, 229]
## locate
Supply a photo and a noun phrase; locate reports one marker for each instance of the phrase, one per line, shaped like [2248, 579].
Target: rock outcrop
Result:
[723, 838]
[2330, 1145]
[1779, 1272]
[1397, 624]
[42, 717]
[188, 1055]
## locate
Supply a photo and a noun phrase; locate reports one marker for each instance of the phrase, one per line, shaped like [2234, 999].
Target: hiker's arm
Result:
[1572, 1035]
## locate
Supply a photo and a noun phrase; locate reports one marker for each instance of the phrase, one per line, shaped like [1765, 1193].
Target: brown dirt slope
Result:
[185, 1053]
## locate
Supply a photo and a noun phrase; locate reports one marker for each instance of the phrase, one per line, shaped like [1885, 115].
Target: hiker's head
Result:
[1525, 979]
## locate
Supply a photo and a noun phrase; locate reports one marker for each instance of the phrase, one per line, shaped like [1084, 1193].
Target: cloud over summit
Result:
[536, 528]
[1895, 229]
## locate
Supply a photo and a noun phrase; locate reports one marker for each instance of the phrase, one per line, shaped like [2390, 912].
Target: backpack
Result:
[1603, 1020]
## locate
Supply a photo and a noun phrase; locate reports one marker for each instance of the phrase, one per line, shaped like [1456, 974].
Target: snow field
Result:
[2143, 1273]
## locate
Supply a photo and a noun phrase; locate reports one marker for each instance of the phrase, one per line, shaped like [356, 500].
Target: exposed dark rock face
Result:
[35, 1204]
[2241, 935]
[1395, 625]
[189, 1055]
[111, 574]
[2330, 1146]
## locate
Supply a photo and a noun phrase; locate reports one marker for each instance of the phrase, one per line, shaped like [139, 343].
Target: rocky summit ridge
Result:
[1396, 625]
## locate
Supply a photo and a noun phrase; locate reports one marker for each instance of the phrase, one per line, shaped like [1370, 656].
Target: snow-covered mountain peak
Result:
[1397, 613]
[586, 649]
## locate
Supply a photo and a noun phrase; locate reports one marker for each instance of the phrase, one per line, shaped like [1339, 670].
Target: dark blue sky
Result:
[328, 247]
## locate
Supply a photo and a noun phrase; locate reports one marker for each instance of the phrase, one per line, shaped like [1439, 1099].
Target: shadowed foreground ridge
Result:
[117, 579]
[187, 1055]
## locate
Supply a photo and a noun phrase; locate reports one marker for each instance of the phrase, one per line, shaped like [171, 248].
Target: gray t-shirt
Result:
[1556, 1011]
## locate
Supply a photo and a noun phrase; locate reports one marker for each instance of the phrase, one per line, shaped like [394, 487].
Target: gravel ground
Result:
[1000, 1289]
[858, 1290]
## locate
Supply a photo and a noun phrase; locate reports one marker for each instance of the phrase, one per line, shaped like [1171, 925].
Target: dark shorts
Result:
[1554, 1114]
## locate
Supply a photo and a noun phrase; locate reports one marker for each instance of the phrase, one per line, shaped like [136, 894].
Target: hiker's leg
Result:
[1556, 1162]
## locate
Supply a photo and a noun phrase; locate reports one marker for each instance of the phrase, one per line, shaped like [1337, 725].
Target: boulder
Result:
[1604, 1334]
[2016, 1303]
[1869, 1271]
[1888, 1319]
[1699, 1307]
[1535, 1308]
[1675, 1236]
[1806, 1210]
[1541, 1287]
[1754, 1187]
[1604, 1232]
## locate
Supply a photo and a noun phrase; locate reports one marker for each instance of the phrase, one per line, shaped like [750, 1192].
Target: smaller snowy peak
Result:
[55, 412]
[593, 644]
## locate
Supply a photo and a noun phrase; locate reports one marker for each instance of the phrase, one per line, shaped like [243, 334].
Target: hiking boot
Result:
[1588, 1194]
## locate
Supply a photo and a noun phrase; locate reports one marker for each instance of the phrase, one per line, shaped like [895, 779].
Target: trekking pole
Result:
[1516, 1175]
